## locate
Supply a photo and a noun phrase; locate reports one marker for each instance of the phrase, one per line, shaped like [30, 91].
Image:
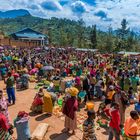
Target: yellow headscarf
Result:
[72, 91]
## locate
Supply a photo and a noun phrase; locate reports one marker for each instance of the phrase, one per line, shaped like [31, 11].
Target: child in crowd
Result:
[88, 127]
[114, 122]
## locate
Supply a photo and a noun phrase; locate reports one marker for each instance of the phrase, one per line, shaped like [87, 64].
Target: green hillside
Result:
[64, 32]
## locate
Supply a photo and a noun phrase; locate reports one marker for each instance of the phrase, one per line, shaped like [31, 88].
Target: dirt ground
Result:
[56, 125]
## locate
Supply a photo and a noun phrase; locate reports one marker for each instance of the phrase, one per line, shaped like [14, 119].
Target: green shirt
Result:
[79, 72]
[10, 82]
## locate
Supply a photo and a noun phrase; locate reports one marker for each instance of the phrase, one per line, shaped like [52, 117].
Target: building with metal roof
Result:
[31, 36]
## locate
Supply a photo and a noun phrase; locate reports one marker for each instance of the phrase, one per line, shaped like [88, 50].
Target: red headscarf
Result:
[22, 114]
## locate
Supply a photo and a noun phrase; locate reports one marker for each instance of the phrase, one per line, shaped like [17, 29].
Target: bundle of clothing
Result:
[22, 126]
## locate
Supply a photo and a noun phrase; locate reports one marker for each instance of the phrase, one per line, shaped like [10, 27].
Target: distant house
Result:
[30, 37]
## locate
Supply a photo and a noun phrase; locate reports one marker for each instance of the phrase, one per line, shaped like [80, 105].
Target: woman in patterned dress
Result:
[4, 107]
[4, 129]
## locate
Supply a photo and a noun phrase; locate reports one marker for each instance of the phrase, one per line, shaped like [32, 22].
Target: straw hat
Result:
[72, 91]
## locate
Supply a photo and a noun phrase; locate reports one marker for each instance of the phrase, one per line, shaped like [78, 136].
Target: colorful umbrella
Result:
[48, 68]
[33, 71]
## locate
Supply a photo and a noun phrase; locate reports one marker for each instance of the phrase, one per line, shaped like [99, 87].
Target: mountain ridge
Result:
[14, 13]
[63, 32]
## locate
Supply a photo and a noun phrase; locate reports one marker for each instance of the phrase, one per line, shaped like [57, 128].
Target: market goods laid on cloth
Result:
[43, 83]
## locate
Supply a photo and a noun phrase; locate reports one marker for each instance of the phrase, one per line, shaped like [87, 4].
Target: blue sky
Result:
[101, 12]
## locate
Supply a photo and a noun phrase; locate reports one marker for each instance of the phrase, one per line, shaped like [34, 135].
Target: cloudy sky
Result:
[101, 12]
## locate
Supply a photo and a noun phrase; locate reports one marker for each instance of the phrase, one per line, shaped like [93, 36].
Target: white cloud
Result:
[78, 7]
[115, 10]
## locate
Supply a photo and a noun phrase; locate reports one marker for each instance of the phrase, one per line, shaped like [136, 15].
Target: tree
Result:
[63, 37]
[131, 41]
[93, 37]
[124, 30]
[70, 39]
[50, 36]
[80, 33]
[109, 40]
[122, 34]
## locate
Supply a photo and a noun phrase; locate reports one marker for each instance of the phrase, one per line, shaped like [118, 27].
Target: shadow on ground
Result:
[33, 114]
[61, 136]
[42, 117]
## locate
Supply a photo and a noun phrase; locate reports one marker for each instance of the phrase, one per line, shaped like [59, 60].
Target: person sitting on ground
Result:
[104, 110]
[88, 126]
[47, 103]
[37, 105]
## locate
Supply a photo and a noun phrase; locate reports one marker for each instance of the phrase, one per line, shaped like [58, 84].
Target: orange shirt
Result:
[138, 123]
[110, 94]
[130, 127]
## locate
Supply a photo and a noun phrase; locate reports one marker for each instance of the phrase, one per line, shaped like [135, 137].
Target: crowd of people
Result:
[111, 79]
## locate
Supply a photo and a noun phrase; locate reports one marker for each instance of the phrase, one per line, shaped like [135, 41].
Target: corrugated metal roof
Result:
[30, 35]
